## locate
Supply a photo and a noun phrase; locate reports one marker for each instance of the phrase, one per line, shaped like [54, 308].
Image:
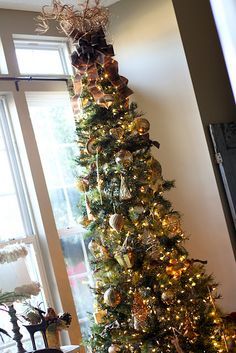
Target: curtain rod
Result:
[31, 78]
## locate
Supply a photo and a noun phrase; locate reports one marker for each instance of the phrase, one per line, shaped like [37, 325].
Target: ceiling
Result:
[36, 5]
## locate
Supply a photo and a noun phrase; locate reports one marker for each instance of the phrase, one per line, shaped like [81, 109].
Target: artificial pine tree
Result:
[150, 296]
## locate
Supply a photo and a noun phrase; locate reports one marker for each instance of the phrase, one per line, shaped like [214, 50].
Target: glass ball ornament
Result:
[141, 125]
[116, 222]
[91, 145]
[114, 348]
[168, 296]
[116, 132]
[124, 158]
[112, 297]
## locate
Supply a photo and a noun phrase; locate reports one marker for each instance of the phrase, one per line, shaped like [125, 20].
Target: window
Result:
[54, 128]
[225, 17]
[44, 134]
[40, 57]
[14, 205]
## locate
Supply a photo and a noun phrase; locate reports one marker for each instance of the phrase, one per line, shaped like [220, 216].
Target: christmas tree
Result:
[150, 295]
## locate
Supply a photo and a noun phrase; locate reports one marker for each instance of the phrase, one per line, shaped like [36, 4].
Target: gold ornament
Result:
[172, 223]
[168, 296]
[99, 316]
[82, 185]
[116, 132]
[112, 297]
[114, 348]
[124, 191]
[125, 258]
[124, 158]
[138, 209]
[84, 102]
[116, 222]
[141, 125]
[173, 271]
[91, 146]
[140, 312]
[135, 212]
[135, 278]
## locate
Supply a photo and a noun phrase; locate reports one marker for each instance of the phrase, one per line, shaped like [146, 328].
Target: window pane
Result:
[225, 17]
[9, 205]
[74, 250]
[39, 61]
[54, 129]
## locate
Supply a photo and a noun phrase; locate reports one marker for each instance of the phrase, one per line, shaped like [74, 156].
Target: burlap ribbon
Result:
[92, 52]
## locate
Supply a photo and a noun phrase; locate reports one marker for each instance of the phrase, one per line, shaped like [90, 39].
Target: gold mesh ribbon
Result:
[73, 22]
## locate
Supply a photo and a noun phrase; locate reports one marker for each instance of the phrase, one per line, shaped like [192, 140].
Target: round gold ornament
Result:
[174, 271]
[116, 222]
[114, 348]
[138, 209]
[155, 167]
[135, 212]
[172, 223]
[141, 125]
[124, 158]
[112, 297]
[91, 146]
[116, 132]
[168, 296]
[82, 185]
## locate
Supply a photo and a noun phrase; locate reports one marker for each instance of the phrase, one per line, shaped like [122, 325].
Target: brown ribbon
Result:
[91, 52]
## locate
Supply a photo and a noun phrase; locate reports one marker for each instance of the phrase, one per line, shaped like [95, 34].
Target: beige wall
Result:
[150, 54]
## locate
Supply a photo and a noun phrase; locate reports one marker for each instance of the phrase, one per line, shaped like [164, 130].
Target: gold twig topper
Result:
[89, 18]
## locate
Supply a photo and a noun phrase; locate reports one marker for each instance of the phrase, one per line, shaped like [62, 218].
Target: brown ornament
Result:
[82, 185]
[168, 296]
[116, 222]
[124, 158]
[116, 132]
[112, 297]
[155, 166]
[91, 146]
[141, 125]
[114, 348]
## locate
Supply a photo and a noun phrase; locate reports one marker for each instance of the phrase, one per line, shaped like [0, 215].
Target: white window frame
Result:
[39, 43]
[51, 260]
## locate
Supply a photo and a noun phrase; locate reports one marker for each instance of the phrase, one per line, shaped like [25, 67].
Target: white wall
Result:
[150, 54]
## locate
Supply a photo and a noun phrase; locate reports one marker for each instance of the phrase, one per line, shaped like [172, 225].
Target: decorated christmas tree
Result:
[150, 295]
